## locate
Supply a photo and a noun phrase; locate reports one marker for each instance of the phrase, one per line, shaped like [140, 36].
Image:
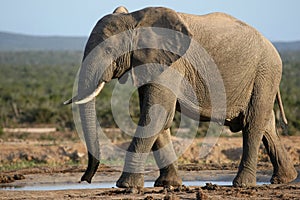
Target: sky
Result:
[278, 20]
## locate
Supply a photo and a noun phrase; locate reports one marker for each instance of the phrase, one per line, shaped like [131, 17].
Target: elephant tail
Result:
[284, 120]
[279, 101]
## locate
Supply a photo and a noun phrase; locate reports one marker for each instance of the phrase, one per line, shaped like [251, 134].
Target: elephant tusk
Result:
[91, 96]
[69, 101]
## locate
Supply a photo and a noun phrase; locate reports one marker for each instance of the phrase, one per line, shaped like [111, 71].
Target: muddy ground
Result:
[60, 158]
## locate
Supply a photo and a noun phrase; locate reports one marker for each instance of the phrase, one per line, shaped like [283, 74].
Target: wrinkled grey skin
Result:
[251, 71]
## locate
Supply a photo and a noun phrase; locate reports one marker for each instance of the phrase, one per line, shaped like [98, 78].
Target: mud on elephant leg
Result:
[165, 158]
[284, 170]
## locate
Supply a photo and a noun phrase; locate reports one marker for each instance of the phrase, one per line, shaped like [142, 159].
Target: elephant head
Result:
[118, 43]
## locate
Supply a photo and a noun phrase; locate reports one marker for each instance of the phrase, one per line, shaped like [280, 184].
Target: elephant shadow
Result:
[233, 154]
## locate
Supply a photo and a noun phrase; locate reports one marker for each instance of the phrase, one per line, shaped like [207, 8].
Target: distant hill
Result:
[287, 46]
[21, 42]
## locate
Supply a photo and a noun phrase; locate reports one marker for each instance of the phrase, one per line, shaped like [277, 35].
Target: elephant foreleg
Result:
[284, 170]
[136, 156]
[165, 158]
[157, 112]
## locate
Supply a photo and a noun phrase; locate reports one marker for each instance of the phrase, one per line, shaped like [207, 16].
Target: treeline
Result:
[290, 89]
[34, 84]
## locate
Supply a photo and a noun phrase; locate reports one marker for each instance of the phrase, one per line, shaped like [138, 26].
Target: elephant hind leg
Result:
[284, 170]
[246, 175]
[255, 120]
[166, 158]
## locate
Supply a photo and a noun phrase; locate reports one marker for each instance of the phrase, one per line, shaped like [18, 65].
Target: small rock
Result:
[179, 188]
[210, 186]
[134, 190]
[169, 188]
[18, 177]
[6, 179]
[200, 195]
[171, 197]
[148, 198]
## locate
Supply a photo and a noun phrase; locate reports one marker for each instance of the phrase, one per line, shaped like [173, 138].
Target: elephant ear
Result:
[121, 9]
[161, 36]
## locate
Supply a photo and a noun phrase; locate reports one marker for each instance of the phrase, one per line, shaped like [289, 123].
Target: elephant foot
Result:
[164, 181]
[244, 179]
[168, 177]
[131, 180]
[284, 176]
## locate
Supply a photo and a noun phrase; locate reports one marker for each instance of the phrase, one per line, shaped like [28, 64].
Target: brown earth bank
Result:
[209, 191]
[60, 158]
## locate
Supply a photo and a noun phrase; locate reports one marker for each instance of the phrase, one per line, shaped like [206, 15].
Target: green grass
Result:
[19, 165]
[24, 164]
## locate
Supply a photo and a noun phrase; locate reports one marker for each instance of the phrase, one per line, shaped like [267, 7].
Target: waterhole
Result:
[74, 186]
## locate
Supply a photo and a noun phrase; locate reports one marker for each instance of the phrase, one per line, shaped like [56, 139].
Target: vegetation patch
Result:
[34, 84]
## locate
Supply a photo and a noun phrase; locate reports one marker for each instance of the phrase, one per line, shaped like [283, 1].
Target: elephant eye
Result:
[108, 50]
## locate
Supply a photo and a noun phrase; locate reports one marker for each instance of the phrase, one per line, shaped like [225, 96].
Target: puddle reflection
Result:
[74, 186]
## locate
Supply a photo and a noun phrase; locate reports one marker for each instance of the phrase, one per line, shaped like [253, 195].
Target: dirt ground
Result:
[34, 160]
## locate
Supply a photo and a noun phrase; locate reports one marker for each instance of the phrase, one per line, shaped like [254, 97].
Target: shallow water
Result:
[74, 186]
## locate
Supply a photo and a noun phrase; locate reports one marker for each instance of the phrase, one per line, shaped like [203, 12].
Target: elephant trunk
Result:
[87, 111]
[89, 128]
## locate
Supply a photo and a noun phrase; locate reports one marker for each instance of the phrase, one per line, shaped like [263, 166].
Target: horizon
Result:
[275, 20]
[86, 37]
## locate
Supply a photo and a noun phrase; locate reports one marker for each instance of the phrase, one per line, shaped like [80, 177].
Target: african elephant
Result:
[231, 71]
